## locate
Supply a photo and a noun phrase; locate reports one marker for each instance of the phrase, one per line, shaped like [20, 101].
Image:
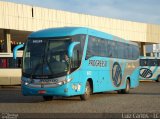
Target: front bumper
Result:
[45, 91]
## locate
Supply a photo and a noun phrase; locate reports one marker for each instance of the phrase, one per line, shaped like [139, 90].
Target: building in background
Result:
[153, 50]
[17, 21]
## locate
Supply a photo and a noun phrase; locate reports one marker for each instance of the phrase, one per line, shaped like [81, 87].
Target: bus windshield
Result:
[45, 58]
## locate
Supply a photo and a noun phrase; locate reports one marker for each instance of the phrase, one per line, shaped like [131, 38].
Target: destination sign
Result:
[37, 41]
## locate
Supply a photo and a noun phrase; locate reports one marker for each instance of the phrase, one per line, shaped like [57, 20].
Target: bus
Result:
[10, 69]
[78, 61]
[150, 68]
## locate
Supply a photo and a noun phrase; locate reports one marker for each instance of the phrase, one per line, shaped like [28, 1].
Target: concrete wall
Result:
[28, 18]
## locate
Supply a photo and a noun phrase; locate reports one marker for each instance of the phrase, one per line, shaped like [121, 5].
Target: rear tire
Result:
[88, 92]
[126, 90]
[47, 98]
[158, 79]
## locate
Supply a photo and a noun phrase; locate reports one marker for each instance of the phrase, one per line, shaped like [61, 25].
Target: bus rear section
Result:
[150, 68]
[72, 61]
[111, 64]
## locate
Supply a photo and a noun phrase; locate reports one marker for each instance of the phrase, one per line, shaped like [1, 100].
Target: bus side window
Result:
[146, 62]
[114, 49]
[158, 62]
[78, 51]
[120, 50]
[143, 62]
[76, 58]
[92, 49]
[105, 48]
[103, 51]
[154, 62]
[135, 53]
[149, 63]
[130, 51]
[125, 51]
[110, 49]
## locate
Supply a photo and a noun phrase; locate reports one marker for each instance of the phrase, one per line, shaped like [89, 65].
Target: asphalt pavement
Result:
[143, 99]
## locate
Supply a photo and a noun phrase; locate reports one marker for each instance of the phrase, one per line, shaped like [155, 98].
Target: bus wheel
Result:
[126, 90]
[158, 79]
[87, 93]
[47, 98]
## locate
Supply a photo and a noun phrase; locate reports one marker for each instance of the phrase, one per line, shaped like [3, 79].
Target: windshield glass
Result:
[44, 58]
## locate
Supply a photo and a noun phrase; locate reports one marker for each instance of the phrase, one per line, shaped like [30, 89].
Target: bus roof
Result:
[70, 31]
[58, 32]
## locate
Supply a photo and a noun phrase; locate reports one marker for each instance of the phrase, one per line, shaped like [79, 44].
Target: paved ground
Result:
[143, 99]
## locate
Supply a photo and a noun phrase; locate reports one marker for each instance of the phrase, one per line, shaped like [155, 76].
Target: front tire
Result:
[88, 92]
[158, 79]
[126, 90]
[47, 98]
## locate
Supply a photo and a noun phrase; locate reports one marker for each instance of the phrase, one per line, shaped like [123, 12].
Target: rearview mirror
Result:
[15, 50]
[71, 47]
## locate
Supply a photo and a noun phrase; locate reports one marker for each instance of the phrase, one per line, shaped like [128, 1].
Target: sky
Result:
[146, 11]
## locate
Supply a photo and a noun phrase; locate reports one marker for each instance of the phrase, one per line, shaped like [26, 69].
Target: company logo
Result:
[116, 74]
[98, 63]
[49, 81]
[145, 73]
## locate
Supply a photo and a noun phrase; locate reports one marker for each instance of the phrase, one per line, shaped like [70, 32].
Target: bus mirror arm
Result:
[15, 50]
[71, 47]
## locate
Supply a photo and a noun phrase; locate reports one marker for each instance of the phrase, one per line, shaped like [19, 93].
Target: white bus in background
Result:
[10, 68]
[150, 68]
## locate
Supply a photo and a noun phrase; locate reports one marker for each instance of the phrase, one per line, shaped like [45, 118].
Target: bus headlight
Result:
[64, 81]
[60, 83]
[68, 80]
[26, 81]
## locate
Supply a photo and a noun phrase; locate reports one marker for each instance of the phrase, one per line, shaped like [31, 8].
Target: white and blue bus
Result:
[150, 68]
[72, 61]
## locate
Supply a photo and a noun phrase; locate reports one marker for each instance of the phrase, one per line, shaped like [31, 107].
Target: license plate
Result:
[41, 92]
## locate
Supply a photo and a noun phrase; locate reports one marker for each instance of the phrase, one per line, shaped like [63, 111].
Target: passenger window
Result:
[92, 49]
[126, 52]
[135, 52]
[143, 62]
[158, 62]
[129, 51]
[110, 49]
[103, 51]
[120, 50]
